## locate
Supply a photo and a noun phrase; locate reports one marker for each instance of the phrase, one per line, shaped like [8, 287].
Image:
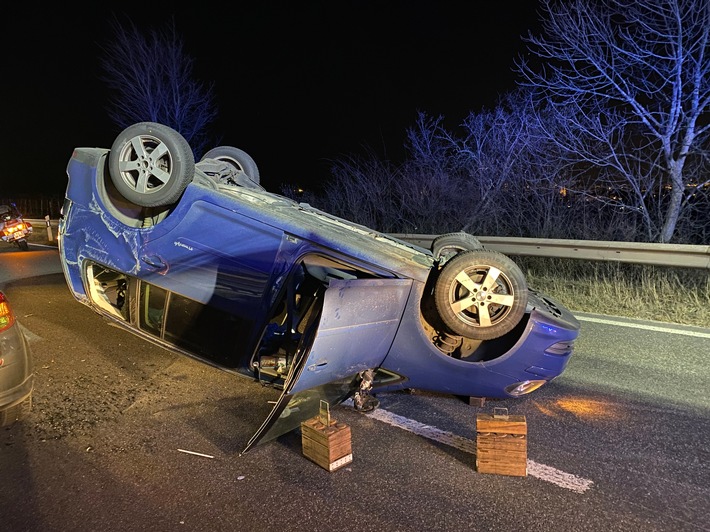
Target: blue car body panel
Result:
[486, 378]
[359, 322]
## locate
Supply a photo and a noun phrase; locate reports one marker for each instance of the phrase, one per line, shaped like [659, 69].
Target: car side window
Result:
[152, 308]
[108, 289]
[202, 329]
[205, 330]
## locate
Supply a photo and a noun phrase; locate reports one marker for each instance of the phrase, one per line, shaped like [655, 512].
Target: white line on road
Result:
[541, 471]
[656, 328]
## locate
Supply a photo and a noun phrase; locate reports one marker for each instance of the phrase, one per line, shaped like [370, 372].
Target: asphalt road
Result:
[618, 442]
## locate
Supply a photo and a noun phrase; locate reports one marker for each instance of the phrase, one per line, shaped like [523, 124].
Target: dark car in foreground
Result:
[197, 257]
[16, 367]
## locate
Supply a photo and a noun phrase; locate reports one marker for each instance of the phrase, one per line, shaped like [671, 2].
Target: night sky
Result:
[297, 84]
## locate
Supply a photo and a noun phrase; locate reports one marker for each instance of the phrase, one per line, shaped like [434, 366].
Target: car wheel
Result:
[151, 164]
[446, 246]
[24, 246]
[241, 160]
[481, 294]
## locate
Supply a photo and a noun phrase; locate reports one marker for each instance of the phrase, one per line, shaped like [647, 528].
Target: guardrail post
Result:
[49, 228]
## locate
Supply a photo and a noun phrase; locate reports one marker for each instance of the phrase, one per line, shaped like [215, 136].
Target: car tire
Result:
[240, 159]
[446, 246]
[151, 164]
[502, 300]
[24, 246]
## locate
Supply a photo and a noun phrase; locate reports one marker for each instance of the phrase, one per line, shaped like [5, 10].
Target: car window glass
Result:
[108, 290]
[152, 308]
[206, 331]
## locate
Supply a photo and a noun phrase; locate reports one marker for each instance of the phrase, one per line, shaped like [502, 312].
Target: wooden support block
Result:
[501, 444]
[510, 443]
[327, 446]
[474, 401]
[501, 424]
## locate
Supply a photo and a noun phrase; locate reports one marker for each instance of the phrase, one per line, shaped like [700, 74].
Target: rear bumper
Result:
[9, 398]
[16, 368]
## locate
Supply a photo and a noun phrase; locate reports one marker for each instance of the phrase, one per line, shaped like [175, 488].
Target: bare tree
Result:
[494, 179]
[363, 189]
[496, 175]
[431, 190]
[511, 170]
[152, 80]
[630, 82]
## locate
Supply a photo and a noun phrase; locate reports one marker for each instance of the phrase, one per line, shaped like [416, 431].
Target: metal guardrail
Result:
[673, 255]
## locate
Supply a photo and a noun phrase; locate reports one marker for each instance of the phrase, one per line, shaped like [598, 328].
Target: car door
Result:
[218, 260]
[354, 330]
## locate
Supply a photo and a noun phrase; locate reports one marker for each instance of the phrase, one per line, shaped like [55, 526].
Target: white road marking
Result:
[697, 334]
[541, 471]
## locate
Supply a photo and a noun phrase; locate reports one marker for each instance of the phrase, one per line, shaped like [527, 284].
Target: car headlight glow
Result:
[521, 388]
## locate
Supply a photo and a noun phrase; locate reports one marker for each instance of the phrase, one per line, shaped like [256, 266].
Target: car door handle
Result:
[155, 261]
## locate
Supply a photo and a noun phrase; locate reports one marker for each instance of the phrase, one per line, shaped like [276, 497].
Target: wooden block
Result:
[329, 447]
[501, 442]
[497, 468]
[502, 424]
[501, 445]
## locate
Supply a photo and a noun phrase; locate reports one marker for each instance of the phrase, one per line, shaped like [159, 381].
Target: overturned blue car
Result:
[198, 258]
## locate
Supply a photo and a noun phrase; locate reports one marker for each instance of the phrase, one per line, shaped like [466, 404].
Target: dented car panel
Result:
[291, 297]
[357, 327]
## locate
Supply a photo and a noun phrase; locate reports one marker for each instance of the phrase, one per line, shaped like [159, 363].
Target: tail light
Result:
[7, 318]
[13, 228]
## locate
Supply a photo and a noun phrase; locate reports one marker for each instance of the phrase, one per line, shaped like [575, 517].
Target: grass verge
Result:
[618, 289]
